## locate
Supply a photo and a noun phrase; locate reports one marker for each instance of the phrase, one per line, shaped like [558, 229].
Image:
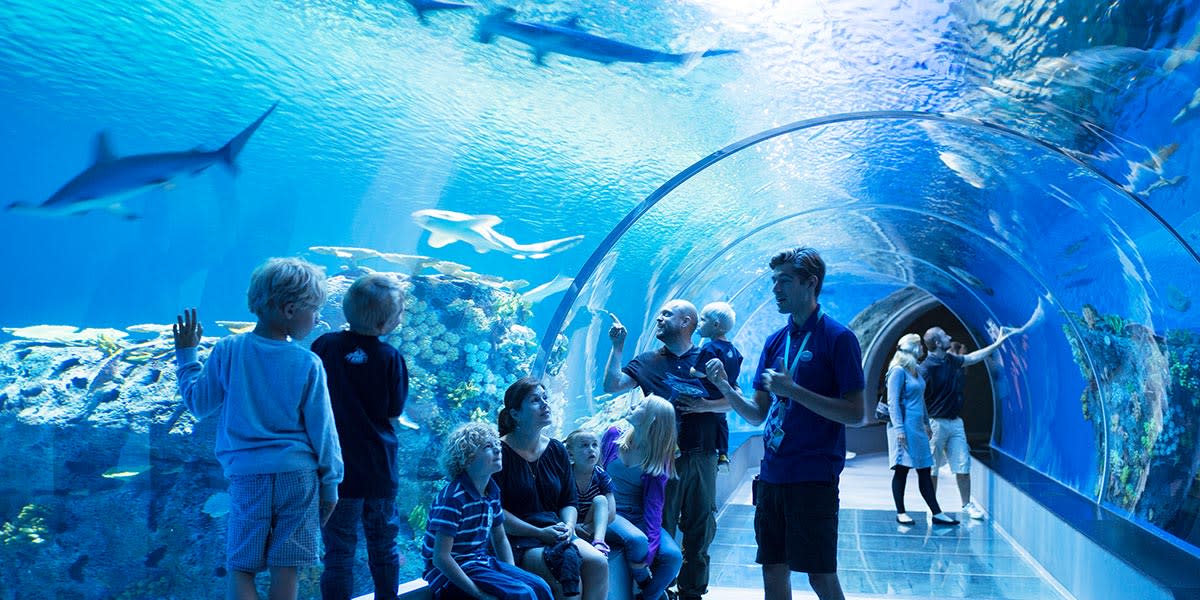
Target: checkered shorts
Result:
[274, 521]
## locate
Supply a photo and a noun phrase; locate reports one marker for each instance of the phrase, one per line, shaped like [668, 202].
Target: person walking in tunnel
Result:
[908, 442]
[943, 375]
[808, 387]
[691, 500]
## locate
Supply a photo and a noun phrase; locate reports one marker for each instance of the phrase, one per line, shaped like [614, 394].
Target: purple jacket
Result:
[653, 493]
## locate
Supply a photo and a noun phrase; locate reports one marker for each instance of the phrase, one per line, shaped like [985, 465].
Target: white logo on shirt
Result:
[358, 357]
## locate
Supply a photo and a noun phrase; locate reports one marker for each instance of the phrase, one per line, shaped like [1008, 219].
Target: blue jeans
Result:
[667, 561]
[381, 525]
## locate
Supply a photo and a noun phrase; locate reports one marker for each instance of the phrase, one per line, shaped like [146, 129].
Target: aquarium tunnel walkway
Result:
[1067, 537]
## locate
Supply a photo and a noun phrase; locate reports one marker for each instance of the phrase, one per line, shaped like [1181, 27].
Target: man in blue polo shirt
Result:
[808, 386]
[691, 499]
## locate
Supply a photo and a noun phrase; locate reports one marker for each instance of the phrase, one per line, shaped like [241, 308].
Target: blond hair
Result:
[655, 439]
[279, 281]
[372, 303]
[722, 314]
[464, 442]
[578, 433]
[907, 359]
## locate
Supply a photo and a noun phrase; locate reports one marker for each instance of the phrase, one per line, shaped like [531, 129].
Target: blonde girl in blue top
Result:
[908, 442]
[640, 459]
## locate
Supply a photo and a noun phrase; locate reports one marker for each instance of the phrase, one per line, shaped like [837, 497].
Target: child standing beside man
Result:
[716, 321]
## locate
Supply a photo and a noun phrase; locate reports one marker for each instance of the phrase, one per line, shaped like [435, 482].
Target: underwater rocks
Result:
[128, 498]
[1143, 398]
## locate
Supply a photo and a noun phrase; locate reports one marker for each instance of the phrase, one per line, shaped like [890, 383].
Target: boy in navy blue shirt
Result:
[716, 320]
[466, 519]
[368, 384]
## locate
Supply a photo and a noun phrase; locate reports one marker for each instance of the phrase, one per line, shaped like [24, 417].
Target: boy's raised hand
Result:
[187, 330]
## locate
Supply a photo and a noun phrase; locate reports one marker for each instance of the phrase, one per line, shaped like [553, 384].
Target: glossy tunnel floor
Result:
[878, 557]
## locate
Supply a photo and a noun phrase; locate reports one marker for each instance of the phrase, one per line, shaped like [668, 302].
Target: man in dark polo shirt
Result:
[808, 386]
[690, 504]
[943, 373]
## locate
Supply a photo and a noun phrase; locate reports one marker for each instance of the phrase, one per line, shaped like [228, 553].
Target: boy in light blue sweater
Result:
[276, 439]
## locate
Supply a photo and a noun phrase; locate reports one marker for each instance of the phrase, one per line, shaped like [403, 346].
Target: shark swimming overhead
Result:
[425, 6]
[567, 38]
[111, 179]
[446, 227]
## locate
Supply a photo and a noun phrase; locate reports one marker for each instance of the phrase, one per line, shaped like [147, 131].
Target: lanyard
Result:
[802, 355]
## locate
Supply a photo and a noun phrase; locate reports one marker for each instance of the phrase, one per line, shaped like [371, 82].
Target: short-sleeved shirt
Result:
[537, 491]
[730, 358]
[662, 373]
[799, 444]
[600, 485]
[462, 512]
[943, 385]
[368, 386]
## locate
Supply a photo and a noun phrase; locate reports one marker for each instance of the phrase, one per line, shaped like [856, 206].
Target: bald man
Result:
[943, 373]
[691, 500]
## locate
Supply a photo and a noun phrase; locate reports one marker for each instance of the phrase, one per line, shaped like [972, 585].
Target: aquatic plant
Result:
[481, 415]
[462, 393]
[418, 517]
[108, 345]
[27, 531]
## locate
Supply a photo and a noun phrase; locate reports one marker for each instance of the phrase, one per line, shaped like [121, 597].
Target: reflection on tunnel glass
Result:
[530, 172]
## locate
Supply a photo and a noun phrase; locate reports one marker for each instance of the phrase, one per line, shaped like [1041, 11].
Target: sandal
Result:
[602, 547]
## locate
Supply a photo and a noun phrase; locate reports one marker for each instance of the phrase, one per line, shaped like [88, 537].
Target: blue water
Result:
[989, 155]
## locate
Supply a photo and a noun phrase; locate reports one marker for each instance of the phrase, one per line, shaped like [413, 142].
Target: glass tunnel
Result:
[974, 165]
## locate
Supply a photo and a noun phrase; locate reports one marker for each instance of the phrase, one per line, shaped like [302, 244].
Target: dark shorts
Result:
[797, 524]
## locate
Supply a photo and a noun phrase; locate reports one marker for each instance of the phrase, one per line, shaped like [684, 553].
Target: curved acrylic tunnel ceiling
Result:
[987, 221]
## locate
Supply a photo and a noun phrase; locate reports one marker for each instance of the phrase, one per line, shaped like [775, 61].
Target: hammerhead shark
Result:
[111, 179]
[446, 227]
[568, 38]
[425, 6]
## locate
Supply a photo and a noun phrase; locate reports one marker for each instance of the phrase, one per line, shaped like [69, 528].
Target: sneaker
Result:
[973, 510]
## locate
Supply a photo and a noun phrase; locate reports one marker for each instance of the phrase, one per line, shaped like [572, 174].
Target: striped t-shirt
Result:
[600, 485]
[460, 511]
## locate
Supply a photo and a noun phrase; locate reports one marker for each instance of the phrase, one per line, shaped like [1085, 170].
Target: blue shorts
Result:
[274, 521]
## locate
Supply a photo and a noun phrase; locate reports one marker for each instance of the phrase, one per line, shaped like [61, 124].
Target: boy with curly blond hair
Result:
[466, 552]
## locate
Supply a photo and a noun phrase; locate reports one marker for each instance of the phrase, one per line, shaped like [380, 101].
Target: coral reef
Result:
[1143, 397]
[93, 429]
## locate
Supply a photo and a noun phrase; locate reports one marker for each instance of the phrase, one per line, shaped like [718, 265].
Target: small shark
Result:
[424, 6]
[446, 227]
[554, 286]
[111, 179]
[567, 38]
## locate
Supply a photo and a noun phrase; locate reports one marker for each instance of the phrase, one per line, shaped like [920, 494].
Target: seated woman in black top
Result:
[538, 497]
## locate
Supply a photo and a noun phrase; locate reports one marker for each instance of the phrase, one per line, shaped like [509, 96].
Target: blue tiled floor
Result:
[878, 557]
